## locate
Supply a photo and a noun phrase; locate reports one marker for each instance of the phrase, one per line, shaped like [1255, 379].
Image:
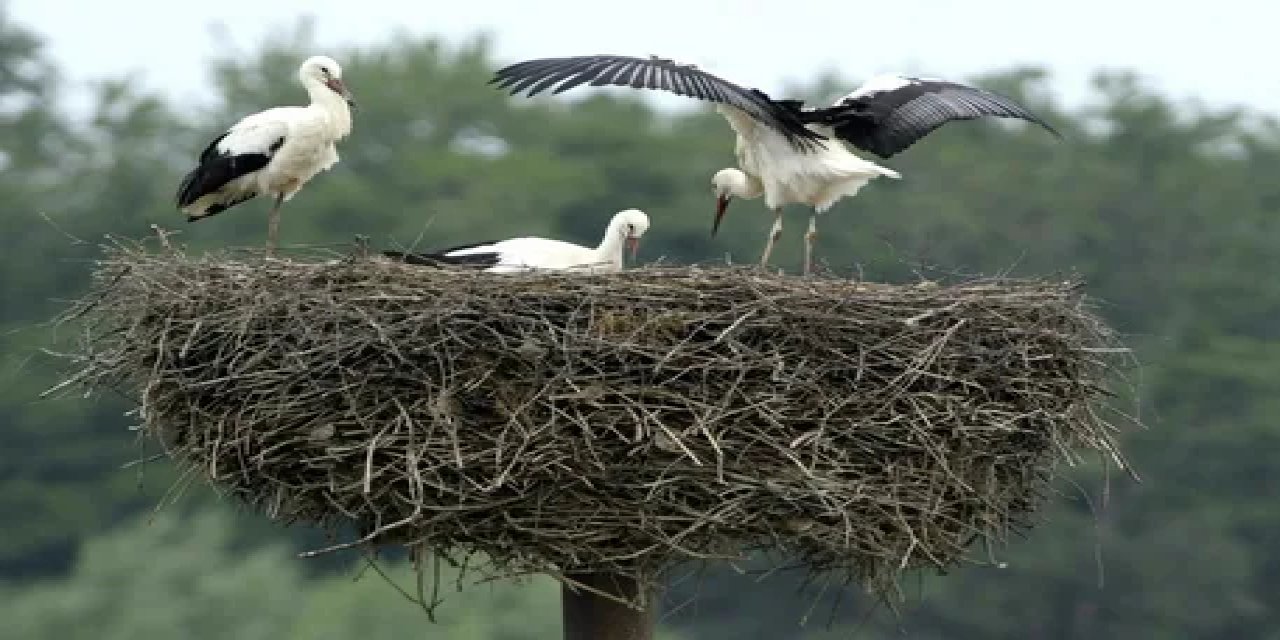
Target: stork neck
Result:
[611, 245]
[333, 106]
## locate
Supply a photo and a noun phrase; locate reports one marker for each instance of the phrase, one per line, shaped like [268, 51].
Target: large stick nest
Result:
[622, 422]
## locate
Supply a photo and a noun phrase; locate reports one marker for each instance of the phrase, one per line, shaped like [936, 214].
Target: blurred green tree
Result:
[185, 577]
[171, 578]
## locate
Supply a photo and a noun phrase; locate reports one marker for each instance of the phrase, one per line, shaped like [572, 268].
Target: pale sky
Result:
[1222, 52]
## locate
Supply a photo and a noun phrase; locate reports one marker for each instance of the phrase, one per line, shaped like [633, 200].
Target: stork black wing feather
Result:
[887, 121]
[216, 169]
[577, 76]
[559, 74]
[555, 78]
[440, 258]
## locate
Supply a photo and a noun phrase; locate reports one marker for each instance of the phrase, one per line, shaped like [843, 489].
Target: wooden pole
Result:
[588, 616]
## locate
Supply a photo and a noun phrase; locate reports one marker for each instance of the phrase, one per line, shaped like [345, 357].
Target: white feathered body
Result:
[521, 254]
[309, 148]
[816, 178]
[300, 141]
[529, 253]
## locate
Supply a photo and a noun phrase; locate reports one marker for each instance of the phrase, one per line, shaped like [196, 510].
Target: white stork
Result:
[784, 148]
[272, 152]
[523, 254]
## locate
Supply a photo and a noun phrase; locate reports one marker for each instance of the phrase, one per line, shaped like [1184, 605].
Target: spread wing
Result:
[561, 74]
[889, 113]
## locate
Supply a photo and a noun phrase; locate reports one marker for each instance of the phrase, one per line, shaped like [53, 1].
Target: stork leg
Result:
[808, 242]
[273, 226]
[774, 234]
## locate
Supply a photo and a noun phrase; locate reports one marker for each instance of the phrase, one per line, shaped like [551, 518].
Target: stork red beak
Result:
[722, 203]
[341, 89]
[633, 243]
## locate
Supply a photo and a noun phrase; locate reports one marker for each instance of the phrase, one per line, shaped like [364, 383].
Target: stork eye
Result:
[324, 70]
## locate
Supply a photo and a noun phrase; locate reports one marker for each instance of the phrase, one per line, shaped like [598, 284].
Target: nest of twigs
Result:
[620, 422]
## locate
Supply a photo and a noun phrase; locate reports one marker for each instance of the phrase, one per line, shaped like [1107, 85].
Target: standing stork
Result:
[784, 149]
[523, 254]
[272, 152]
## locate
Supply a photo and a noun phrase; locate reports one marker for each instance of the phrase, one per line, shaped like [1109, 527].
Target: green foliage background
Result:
[1169, 211]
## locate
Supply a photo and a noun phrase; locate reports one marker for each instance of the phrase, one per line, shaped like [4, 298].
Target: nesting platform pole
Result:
[588, 616]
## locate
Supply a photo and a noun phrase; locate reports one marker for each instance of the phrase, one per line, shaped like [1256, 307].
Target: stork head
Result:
[728, 184]
[630, 224]
[325, 70]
